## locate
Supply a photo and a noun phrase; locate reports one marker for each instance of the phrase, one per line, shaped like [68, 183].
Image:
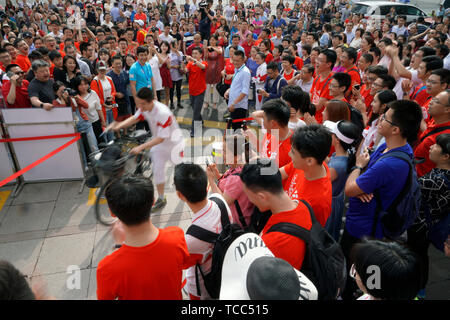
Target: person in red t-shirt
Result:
[339, 84]
[307, 177]
[22, 58]
[320, 92]
[196, 68]
[149, 262]
[439, 110]
[15, 90]
[263, 187]
[274, 117]
[348, 60]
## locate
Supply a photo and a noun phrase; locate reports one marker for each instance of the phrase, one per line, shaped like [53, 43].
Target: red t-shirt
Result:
[298, 63]
[152, 272]
[318, 192]
[229, 69]
[269, 57]
[422, 150]
[285, 246]
[281, 155]
[23, 62]
[22, 98]
[320, 89]
[420, 95]
[197, 78]
[368, 98]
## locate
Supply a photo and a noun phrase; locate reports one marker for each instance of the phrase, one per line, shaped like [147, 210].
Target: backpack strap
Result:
[202, 234]
[293, 229]
[436, 130]
[223, 212]
[240, 214]
[399, 155]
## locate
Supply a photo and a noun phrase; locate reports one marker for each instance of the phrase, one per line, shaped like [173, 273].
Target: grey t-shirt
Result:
[42, 90]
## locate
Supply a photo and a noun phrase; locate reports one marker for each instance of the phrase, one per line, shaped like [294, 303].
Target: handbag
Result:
[222, 87]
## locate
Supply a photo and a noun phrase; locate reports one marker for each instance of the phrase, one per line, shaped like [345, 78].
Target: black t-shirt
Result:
[42, 90]
[205, 22]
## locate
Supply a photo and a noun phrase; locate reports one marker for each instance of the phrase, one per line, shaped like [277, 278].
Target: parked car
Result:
[377, 10]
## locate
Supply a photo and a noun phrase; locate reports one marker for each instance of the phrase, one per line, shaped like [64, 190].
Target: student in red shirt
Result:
[307, 177]
[274, 117]
[320, 92]
[348, 60]
[22, 58]
[149, 262]
[339, 84]
[439, 110]
[196, 68]
[15, 90]
[262, 185]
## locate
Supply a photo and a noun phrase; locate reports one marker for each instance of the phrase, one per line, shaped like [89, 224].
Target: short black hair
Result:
[13, 284]
[191, 181]
[10, 66]
[330, 56]
[376, 51]
[141, 49]
[54, 54]
[255, 180]
[277, 110]
[199, 50]
[272, 65]
[289, 59]
[352, 53]
[432, 63]
[407, 115]
[130, 198]
[343, 79]
[400, 272]
[297, 98]
[307, 48]
[388, 81]
[443, 140]
[368, 57]
[444, 74]
[312, 141]
[427, 51]
[145, 94]
[386, 41]
[377, 70]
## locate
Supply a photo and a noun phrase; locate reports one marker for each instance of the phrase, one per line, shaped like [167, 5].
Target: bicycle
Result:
[107, 170]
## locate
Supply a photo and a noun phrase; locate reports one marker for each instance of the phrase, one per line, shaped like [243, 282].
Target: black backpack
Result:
[258, 219]
[230, 231]
[356, 117]
[324, 263]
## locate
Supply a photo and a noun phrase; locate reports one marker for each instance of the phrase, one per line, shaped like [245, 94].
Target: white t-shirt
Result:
[154, 64]
[229, 13]
[295, 125]
[106, 86]
[167, 38]
[162, 124]
[207, 218]
[93, 101]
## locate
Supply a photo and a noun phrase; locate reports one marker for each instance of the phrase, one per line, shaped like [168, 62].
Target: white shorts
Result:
[160, 155]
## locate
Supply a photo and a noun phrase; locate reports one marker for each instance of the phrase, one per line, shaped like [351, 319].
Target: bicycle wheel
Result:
[102, 213]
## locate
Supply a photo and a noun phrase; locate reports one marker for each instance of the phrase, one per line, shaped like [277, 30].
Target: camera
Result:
[71, 92]
[108, 101]
[203, 4]
[356, 86]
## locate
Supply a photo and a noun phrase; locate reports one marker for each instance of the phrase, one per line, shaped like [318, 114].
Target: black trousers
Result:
[238, 113]
[418, 242]
[176, 86]
[347, 243]
[97, 127]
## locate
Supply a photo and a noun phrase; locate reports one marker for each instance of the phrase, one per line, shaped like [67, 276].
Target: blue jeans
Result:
[109, 119]
[84, 126]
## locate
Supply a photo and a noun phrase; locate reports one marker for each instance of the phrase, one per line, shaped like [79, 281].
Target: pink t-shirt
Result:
[231, 185]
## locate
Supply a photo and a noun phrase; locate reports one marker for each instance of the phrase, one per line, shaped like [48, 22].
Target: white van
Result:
[377, 10]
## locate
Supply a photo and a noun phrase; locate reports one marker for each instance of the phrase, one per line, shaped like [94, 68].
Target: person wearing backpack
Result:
[378, 179]
[265, 190]
[432, 224]
[191, 184]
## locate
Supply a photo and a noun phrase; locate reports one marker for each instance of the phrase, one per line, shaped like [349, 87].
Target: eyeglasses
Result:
[436, 100]
[376, 84]
[383, 118]
[432, 82]
[20, 73]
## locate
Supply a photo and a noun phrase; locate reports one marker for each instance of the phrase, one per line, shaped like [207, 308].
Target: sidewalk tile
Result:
[27, 217]
[38, 192]
[92, 291]
[61, 286]
[72, 212]
[22, 254]
[60, 252]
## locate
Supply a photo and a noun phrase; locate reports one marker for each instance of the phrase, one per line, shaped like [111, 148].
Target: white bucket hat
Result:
[251, 272]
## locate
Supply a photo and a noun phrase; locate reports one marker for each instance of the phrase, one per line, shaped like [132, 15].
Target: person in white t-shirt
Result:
[166, 144]
[191, 184]
[299, 103]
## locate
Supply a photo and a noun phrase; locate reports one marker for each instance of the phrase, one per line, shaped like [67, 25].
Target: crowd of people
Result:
[352, 112]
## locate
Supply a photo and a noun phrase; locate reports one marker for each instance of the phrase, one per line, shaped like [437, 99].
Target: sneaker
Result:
[179, 106]
[172, 106]
[159, 204]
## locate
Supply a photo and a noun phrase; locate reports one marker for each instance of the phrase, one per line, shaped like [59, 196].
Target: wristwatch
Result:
[41, 105]
[357, 167]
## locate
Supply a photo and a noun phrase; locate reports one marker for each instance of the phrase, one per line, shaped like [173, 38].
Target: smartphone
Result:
[356, 86]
